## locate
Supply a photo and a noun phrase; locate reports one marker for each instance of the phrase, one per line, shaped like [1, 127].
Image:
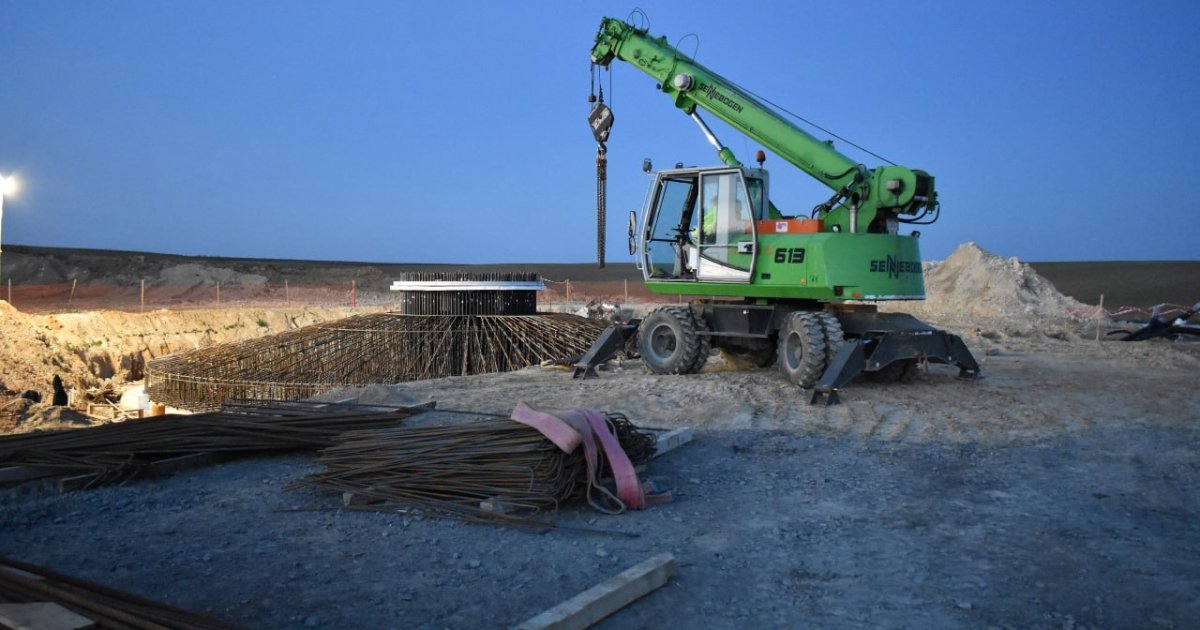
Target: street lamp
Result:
[8, 186]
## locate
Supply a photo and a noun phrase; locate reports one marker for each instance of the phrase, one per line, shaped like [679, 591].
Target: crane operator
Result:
[739, 221]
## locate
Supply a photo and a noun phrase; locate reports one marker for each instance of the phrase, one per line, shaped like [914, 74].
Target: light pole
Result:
[8, 185]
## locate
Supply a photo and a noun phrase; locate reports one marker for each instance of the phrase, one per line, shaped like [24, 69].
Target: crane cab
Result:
[713, 231]
[700, 225]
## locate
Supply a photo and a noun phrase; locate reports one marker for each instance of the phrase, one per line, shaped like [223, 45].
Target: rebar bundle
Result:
[22, 582]
[451, 469]
[477, 471]
[364, 350]
[116, 452]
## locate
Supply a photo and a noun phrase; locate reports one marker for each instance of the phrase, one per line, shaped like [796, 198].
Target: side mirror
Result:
[647, 166]
[633, 232]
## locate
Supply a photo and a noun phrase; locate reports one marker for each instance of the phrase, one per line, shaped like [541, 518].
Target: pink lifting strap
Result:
[591, 450]
[567, 429]
[554, 428]
[629, 491]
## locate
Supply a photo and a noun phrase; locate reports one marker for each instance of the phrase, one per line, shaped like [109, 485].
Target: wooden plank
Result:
[606, 598]
[90, 411]
[42, 616]
[672, 440]
[19, 573]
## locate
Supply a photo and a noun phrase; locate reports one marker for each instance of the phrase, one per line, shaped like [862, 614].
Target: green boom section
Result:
[889, 190]
[722, 98]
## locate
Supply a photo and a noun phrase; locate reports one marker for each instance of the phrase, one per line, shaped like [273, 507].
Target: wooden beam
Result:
[672, 440]
[19, 573]
[42, 616]
[606, 598]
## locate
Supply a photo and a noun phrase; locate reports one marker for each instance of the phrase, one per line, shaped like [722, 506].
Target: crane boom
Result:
[690, 85]
[892, 190]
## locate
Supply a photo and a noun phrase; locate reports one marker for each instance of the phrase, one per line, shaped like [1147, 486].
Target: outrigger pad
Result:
[877, 350]
[849, 361]
[605, 347]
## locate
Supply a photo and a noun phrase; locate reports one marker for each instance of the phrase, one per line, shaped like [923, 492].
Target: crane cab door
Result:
[700, 226]
[726, 247]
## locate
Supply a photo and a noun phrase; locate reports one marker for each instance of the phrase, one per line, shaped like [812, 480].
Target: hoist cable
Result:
[814, 125]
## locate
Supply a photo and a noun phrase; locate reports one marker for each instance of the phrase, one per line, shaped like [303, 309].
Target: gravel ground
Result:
[770, 528]
[1056, 492]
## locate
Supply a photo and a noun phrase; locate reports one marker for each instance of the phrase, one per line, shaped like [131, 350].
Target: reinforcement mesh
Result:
[364, 350]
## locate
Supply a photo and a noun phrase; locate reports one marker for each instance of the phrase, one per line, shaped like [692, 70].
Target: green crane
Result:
[778, 286]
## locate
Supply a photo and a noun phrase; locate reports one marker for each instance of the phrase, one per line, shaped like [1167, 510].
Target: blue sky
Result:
[456, 131]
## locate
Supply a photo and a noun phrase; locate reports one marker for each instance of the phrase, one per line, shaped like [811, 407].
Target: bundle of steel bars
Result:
[476, 470]
[451, 469]
[116, 452]
[364, 350]
[24, 583]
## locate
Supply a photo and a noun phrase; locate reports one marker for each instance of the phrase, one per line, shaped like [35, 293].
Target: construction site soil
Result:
[1055, 492]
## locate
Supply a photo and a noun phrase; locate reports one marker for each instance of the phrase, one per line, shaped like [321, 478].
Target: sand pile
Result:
[975, 282]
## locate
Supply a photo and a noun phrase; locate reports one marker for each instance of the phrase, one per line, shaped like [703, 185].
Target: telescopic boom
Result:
[893, 190]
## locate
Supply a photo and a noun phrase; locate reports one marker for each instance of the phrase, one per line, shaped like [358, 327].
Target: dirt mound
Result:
[976, 283]
[21, 415]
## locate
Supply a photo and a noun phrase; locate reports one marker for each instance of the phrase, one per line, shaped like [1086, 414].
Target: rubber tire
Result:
[703, 342]
[668, 342]
[834, 337]
[802, 349]
[902, 371]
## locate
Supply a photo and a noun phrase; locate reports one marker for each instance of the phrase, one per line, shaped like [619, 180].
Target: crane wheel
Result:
[802, 348]
[669, 343]
[834, 337]
[703, 342]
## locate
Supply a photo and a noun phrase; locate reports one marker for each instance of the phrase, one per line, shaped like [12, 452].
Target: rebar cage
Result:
[464, 323]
